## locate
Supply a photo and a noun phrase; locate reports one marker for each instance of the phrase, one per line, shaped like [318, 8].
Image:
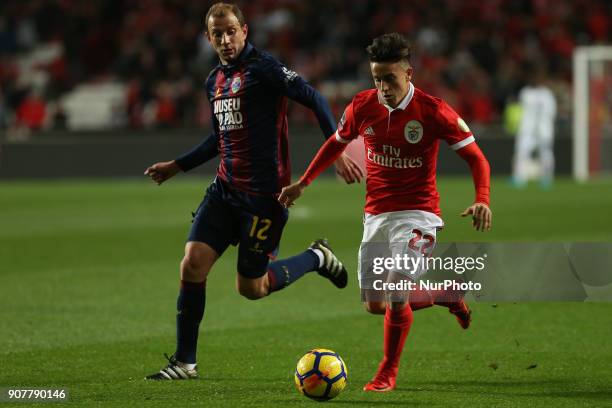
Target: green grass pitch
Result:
[89, 275]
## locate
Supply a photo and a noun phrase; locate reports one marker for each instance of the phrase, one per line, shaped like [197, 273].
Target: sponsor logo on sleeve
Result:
[462, 125]
[342, 121]
[289, 74]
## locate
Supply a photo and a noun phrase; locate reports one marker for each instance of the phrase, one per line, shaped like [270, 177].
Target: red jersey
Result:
[401, 147]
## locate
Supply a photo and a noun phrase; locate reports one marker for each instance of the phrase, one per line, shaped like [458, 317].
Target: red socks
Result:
[397, 326]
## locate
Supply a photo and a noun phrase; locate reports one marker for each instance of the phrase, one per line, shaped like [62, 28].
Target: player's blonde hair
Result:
[222, 9]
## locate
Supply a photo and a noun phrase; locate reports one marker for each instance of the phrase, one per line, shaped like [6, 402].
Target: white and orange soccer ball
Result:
[321, 374]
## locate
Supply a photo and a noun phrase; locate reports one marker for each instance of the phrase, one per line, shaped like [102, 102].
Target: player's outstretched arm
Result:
[327, 154]
[201, 153]
[310, 97]
[481, 216]
[162, 171]
[296, 88]
[291, 193]
[481, 174]
[348, 169]
[345, 166]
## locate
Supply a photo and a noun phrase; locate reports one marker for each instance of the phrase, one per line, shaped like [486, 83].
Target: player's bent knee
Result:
[251, 289]
[251, 293]
[375, 307]
[191, 270]
[197, 261]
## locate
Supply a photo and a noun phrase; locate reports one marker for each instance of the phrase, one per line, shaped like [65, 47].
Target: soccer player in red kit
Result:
[401, 127]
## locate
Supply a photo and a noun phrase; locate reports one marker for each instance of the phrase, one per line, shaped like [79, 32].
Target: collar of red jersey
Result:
[403, 104]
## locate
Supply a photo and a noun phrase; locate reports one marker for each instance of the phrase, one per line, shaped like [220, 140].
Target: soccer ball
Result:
[321, 374]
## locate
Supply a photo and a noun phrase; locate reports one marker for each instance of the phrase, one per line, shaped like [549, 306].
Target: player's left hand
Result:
[481, 216]
[348, 169]
[291, 193]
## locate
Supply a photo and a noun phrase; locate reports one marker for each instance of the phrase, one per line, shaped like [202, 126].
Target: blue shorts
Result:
[254, 223]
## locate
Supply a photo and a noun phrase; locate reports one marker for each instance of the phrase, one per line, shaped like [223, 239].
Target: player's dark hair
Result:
[221, 9]
[390, 47]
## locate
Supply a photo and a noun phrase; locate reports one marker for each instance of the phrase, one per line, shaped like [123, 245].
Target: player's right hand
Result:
[162, 171]
[348, 169]
[291, 193]
[481, 216]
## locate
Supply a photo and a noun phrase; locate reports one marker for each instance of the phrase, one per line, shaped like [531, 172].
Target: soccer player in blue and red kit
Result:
[248, 93]
[402, 127]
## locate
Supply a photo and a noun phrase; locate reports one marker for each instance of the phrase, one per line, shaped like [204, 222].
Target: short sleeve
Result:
[347, 130]
[452, 128]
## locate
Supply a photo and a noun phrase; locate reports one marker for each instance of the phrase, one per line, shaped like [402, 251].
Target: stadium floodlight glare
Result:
[592, 77]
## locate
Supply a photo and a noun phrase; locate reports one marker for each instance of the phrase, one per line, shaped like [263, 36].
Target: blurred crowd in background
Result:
[141, 63]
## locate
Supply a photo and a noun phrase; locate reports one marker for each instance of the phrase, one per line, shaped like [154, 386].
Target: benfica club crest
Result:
[236, 84]
[413, 131]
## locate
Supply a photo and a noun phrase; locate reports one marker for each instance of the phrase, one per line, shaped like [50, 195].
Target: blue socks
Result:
[284, 272]
[190, 310]
[192, 299]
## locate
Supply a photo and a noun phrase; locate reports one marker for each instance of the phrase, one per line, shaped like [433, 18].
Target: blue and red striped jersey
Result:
[249, 106]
